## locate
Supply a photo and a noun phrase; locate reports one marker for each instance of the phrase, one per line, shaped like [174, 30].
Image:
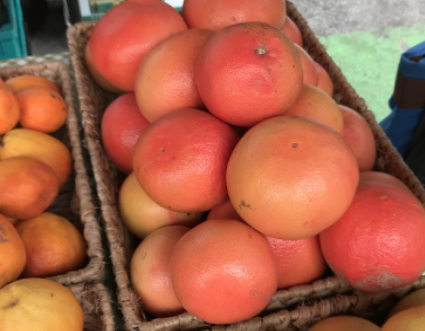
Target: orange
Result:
[412, 319]
[293, 32]
[166, 79]
[38, 304]
[41, 146]
[224, 210]
[294, 172]
[42, 109]
[309, 68]
[27, 187]
[53, 244]
[12, 252]
[125, 34]
[20, 82]
[121, 125]
[324, 80]
[141, 215]
[346, 323]
[248, 72]
[218, 14]
[376, 244]
[223, 271]
[413, 299]
[10, 219]
[9, 110]
[150, 271]
[359, 136]
[316, 104]
[372, 176]
[298, 261]
[180, 160]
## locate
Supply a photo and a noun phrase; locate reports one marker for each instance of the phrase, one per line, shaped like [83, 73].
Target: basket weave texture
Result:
[293, 309]
[96, 304]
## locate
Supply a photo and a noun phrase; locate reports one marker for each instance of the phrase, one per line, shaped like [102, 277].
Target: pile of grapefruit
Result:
[407, 314]
[35, 243]
[244, 175]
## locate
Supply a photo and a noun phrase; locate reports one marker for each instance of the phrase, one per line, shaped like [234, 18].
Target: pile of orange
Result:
[244, 175]
[34, 243]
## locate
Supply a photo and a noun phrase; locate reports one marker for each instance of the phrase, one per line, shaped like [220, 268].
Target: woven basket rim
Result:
[96, 303]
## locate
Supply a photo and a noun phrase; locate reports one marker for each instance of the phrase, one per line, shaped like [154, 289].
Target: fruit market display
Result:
[242, 174]
[35, 243]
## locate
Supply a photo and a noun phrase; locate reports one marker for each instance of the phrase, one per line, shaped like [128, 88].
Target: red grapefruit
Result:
[248, 72]
[122, 123]
[125, 34]
[223, 271]
[180, 160]
[377, 244]
[217, 14]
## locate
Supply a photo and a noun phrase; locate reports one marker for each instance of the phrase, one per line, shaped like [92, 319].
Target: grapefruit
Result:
[165, 80]
[346, 323]
[223, 271]
[413, 299]
[309, 68]
[125, 34]
[298, 261]
[312, 102]
[290, 177]
[293, 32]
[180, 160]
[248, 72]
[150, 271]
[141, 215]
[121, 125]
[217, 14]
[376, 244]
[324, 80]
[224, 211]
[97, 77]
[412, 319]
[379, 176]
[359, 136]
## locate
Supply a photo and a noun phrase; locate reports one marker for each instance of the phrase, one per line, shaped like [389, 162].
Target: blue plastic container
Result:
[12, 33]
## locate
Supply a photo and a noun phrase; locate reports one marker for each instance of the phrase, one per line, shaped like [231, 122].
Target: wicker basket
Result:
[96, 304]
[292, 309]
[75, 200]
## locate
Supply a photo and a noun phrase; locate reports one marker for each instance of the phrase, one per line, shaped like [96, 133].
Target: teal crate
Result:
[99, 7]
[12, 33]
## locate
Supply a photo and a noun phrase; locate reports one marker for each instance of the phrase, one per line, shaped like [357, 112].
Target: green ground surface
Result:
[369, 60]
